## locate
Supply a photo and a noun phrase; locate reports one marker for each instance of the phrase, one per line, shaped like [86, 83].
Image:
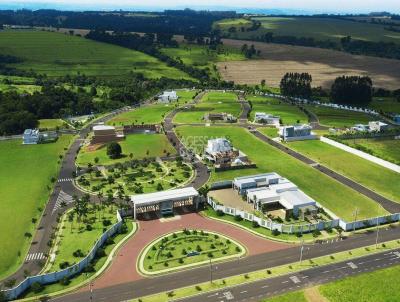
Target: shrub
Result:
[275, 232]
[180, 260]
[238, 218]
[64, 264]
[78, 253]
[246, 276]
[89, 268]
[220, 213]
[238, 249]
[316, 233]
[198, 288]
[255, 224]
[100, 253]
[210, 255]
[106, 222]
[269, 272]
[109, 241]
[123, 229]
[198, 248]
[37, 287]
[64, 281]
[89, 227]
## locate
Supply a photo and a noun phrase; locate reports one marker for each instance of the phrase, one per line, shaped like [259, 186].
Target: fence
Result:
[53, 277]
[359, 224]
[271, 225]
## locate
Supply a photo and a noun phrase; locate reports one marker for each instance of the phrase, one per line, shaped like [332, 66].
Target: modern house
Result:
[105, 134]
[377, 126]
[266, 118]
[271, 191]
[168, 97]
[220, 116]
[297, 132]
[31, 137]
[220, 152]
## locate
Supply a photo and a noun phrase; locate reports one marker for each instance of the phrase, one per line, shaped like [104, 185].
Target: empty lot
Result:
[323, 64]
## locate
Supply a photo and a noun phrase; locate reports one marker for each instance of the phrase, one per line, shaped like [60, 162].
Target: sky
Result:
[334, 6]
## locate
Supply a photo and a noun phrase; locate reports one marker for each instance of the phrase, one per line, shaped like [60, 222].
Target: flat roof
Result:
[157, 197]
[103, 127]
[252, 178]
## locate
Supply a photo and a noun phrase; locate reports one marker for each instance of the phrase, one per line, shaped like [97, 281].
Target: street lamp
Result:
[355, 213]
[211, 280]
[377, 232]
[301, 250]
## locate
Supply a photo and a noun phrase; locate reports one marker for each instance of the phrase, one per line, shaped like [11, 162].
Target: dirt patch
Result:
[231, 198]
[323, 64]
[312, 294]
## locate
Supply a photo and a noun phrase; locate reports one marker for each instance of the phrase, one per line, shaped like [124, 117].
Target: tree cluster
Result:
[296, 85]
[249, 52]
[354, 90]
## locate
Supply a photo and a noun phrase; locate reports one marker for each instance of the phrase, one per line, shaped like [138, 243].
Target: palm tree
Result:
[100, 197]
[71, 216]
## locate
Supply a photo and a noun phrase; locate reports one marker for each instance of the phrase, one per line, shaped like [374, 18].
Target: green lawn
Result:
[382, 285]
[385, 148]
[57, 54]
[151, 114]
[215, 102]
[20, 88]
[317, 28]
[369, 174]
[386, 104]
[25, 180]
[338, 117]
[271, 132]
[74, 236]
[290, 297]
[288, 113]
[139, 145]
[187, 248]
[333, 195]
[51, 124]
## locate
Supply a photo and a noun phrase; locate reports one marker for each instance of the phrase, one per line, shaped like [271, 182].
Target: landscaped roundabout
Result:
[185, 249]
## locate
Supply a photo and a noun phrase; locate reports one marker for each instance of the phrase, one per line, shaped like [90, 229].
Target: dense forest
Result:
[353, 90]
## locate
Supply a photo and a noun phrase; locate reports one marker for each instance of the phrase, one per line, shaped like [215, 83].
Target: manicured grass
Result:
[338, 117]
[386, 104]
[318, 28]
[382, 285]
[271, 132]
[288, 113]
[151, 114]
[139, 145]
[290, 297]
[25, 184]
[365, 172]
[215, 102]
[385, 148]
[338, 198]
[74, 235]
[57, 54]
[188, 247]
[51, 124]
[137, 178]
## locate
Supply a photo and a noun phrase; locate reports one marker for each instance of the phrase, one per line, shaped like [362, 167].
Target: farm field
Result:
[385, 148]
[147, 114]
[371, 175]
[25, 180]
[57, 54]
[139, 145]
[75, 237]
[323, 64]
[340, 118]
[215, 102]
[188, 247]
[317, 28]
[336, 197]
[288, 113]
[137, 178]
[227, 23]
[348, 289]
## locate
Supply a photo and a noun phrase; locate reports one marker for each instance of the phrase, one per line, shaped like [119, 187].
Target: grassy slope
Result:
[322, 29]
[152, 114]
[211, 102]
[50, 123]
[382, 285]
[338, 117]
[25, 172]
[385, 148]
[386, 104]
[57, 54]
[140, 145]
[333, 195]
[371, 175]
[289, 114]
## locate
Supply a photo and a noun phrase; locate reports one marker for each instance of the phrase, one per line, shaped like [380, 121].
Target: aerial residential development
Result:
[222, 152]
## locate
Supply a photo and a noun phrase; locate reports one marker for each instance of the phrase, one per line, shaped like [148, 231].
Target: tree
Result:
[263, 83]
[352, 90]
[114, 150]
[296, 85]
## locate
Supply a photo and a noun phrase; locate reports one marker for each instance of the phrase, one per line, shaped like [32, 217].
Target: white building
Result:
[272, 189]
[377, 126]
[168, 97]
[220, 151]
[297, 132]
[31, 136]
[360, 128]
[266, 118]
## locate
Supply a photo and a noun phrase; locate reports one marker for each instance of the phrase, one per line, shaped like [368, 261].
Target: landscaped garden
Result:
[187, 248]
[340, 118]
[212, 102]
[363, 171]
[289, 114]
[136, 177]
[27, 176]
[331, 194]
[134, 146]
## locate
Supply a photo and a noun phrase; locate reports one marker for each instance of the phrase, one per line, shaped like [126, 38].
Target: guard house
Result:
[266, 118]
[31, 137]
[164, 202]
[168, 97]
[297, 132]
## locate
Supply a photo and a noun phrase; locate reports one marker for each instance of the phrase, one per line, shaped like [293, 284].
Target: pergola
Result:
[163, 201]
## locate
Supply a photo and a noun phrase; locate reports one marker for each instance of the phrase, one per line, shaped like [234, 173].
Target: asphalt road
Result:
[387, 204]
[194, 276]
[262, 289]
